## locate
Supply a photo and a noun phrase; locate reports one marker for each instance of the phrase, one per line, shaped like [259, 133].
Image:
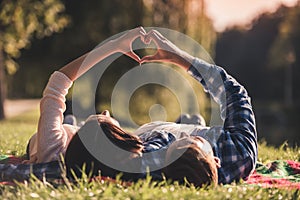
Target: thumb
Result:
[133, 56]
[151, 58]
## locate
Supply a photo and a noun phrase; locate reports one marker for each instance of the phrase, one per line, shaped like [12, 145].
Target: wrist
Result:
[183, 59]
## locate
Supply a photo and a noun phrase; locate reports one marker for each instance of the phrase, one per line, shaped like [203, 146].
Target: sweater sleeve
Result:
[52, 138]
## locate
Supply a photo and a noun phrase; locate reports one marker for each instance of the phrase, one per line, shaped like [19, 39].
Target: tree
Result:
[264, 57]
[186, 17]
[285, 50]
[94, 21]
[20, 21]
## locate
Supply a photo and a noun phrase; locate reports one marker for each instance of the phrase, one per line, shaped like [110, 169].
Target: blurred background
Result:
[258, 42]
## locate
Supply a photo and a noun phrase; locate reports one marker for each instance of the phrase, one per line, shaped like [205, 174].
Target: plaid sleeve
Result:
[155, 147]
[237, 143]
[21, 172]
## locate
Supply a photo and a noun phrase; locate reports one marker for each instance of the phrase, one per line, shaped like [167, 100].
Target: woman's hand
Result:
[123, 44]
[166, 51]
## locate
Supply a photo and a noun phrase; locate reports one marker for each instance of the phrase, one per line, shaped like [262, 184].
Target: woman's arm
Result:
[76, 68]
[52, 137]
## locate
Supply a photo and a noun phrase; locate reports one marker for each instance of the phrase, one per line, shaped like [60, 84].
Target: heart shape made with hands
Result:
[142, 48]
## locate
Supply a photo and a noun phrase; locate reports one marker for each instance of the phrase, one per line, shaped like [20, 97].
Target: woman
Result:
[201, 155]
[53, 136]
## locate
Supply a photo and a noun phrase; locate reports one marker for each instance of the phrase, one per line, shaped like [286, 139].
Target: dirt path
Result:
[16, 107]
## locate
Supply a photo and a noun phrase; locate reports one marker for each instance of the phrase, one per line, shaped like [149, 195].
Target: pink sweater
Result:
[52, 137]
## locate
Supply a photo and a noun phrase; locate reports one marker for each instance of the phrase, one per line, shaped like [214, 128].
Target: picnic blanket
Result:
[278, 173]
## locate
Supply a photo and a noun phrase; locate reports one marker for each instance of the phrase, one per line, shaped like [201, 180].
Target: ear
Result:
[218, 162]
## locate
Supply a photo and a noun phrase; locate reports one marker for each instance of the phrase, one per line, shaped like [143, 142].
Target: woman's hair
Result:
[93, 136]
[121, 138]
[190, 167]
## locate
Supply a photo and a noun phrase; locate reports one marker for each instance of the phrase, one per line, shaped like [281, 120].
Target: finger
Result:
[139, 31]
[146, 40]
[143, 36]
[135, 33]
[151, 58]
[133, 56]
[106, 113]
[142, 30]
[154, 36]
[146, 59]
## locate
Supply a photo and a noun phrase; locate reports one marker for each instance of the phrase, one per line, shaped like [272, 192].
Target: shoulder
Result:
[156, 140]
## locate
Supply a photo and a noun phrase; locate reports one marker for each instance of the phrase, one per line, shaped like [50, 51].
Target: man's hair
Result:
[189, 166]
[79, 157]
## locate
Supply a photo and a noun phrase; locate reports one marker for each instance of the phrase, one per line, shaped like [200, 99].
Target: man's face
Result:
[203, 146]
[184, 142]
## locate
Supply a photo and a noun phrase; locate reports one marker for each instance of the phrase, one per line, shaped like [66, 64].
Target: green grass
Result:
[15, 132]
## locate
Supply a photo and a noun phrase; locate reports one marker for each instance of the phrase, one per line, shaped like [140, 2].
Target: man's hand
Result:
[166, 51]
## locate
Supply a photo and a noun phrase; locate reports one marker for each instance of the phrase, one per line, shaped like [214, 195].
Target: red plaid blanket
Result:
[279, 174]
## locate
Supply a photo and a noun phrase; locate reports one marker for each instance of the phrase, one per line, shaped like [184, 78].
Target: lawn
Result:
[15, 132]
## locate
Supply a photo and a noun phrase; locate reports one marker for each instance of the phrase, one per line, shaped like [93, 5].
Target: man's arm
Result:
[236, 144]
[166, 51]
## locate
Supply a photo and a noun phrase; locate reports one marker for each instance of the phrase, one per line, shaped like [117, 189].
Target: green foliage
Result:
[188, 17]
[265, 59]
[20, 20]
[282, 52]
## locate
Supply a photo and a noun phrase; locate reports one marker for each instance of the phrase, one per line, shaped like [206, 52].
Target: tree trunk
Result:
[2, 86]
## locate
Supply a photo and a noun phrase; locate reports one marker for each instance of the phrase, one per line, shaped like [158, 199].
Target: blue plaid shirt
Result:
[234, 142]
